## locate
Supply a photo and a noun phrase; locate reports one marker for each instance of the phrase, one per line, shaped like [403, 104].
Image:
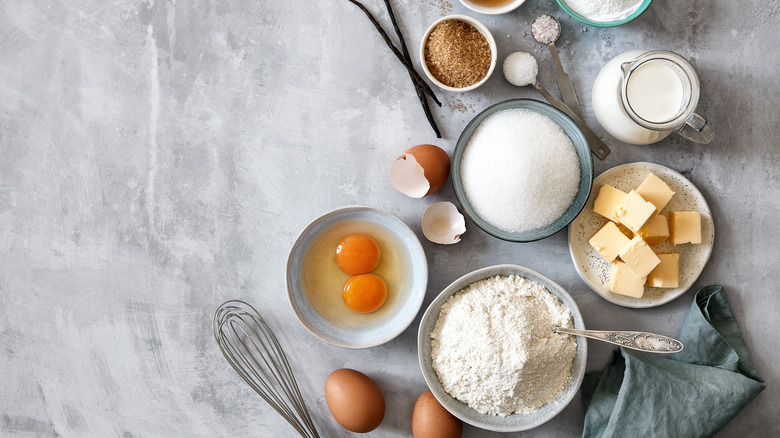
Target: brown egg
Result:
[420, 171]
[431, 420]
[354, 400]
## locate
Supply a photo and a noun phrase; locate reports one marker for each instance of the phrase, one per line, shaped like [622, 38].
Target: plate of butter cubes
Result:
[644, 236]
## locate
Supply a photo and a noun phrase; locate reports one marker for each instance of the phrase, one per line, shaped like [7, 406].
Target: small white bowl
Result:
[482, 29]
[495, 10]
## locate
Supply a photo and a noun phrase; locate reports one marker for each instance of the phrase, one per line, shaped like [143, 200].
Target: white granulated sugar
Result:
[604, 10]
[520, 171]
[520, 69]
[495, 349]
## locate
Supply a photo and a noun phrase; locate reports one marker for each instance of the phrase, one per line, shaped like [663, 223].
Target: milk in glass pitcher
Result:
[640, 97]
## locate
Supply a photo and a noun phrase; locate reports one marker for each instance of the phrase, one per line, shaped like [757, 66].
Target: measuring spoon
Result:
[546, 29]
[521, 69]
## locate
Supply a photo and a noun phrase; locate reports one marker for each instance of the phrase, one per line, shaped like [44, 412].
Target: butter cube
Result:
[626, 232]
[656, 231]
[608, 241]
[634, 211]
[654, 190]
[667, 273]
[639, 257]
[607, 201]
[624, 281]
[684, 227]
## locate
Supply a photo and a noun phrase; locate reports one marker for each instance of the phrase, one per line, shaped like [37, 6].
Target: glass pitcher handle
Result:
[697, 129]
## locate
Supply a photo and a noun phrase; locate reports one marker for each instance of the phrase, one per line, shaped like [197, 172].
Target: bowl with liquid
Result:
[315, 282]
[492, 7]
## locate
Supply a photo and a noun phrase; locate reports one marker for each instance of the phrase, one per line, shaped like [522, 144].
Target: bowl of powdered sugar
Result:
[490, 355]
[522, 170]
[604, 13]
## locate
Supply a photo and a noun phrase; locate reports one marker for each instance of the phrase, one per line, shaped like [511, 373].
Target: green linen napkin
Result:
[693, 393]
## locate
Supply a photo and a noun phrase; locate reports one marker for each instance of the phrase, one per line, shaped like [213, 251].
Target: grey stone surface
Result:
[158, 158]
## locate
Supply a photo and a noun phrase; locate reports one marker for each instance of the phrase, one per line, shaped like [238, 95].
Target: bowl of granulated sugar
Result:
[522, 170]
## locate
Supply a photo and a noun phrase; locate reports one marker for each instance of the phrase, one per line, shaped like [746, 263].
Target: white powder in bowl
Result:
[520, 171]
[495, 349]
[604, 10]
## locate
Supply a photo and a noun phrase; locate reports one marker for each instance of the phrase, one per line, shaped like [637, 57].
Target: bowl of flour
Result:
[488, 350]
[604, 13]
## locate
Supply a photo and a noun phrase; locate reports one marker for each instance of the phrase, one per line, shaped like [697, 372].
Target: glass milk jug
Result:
[640, 97]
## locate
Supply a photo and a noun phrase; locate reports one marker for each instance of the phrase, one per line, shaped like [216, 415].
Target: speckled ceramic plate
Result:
[595, 271]
[314, 282]
[515, 422]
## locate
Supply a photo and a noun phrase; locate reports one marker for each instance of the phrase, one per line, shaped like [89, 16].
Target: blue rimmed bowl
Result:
[583, 153]
[642, 7]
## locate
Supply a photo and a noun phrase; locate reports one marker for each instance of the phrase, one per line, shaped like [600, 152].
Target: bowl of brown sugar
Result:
[458, 53]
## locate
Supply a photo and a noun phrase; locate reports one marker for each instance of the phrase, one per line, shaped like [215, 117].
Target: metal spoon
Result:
[594, 142]
[546, 29]
[642, 341]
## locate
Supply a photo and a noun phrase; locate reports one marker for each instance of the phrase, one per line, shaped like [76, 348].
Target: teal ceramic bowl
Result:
[583, 153]
[514, 422]
[642, 7]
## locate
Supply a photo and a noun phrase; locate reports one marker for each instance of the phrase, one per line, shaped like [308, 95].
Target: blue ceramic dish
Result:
[583, 152]
[515, 422]
[589, 22]
[340, 326]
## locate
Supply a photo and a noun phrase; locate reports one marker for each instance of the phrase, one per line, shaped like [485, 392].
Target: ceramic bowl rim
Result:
[582, 19]
[472, 416]
[509, 7]
[586, 170]
[482, 29]
[292, 275]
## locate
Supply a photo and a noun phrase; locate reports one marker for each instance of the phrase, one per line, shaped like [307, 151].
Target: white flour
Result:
[604, 10]
[493, 346]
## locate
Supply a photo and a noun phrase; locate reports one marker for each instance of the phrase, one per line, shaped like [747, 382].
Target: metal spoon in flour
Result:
[521, 68]
[546, 29]
[642, 341]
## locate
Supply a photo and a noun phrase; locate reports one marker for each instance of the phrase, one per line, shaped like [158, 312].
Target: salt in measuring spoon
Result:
[546, 29]
[521, 68]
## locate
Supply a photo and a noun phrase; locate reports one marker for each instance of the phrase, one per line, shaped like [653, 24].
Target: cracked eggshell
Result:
[442, 223]
[420, 171]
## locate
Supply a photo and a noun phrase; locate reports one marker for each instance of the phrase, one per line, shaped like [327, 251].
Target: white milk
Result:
[607, 100]
[655, 92]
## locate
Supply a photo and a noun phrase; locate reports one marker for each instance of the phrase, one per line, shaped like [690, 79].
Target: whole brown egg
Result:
[431, 420]
[354, 400]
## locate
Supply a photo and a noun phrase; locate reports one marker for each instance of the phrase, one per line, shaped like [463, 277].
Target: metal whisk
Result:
[252, 349]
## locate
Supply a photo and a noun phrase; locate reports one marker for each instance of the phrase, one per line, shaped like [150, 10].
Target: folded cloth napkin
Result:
[693, 393]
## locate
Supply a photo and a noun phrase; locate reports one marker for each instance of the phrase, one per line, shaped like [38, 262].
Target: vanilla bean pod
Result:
[417, 79]
[408, 58]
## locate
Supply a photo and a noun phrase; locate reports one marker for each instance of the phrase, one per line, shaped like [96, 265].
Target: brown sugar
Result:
[457, 54]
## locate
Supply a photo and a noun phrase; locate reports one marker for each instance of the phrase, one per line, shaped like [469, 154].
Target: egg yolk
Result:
[364, 293]
[357, 254]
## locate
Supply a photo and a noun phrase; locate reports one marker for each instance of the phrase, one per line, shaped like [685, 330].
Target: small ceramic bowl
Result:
[637, 12]
[583, 153]
[482, 29]
[507, 6]
[515, 422]
[314, 281]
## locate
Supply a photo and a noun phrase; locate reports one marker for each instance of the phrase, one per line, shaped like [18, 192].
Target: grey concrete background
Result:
[159, 157]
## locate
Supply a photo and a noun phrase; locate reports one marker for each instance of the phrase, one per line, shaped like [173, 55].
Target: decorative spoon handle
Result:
[642, 341]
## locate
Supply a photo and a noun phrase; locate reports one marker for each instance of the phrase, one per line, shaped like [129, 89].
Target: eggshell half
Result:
[443, 224]
[354, 400]
[431, 420]
[420, 171]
